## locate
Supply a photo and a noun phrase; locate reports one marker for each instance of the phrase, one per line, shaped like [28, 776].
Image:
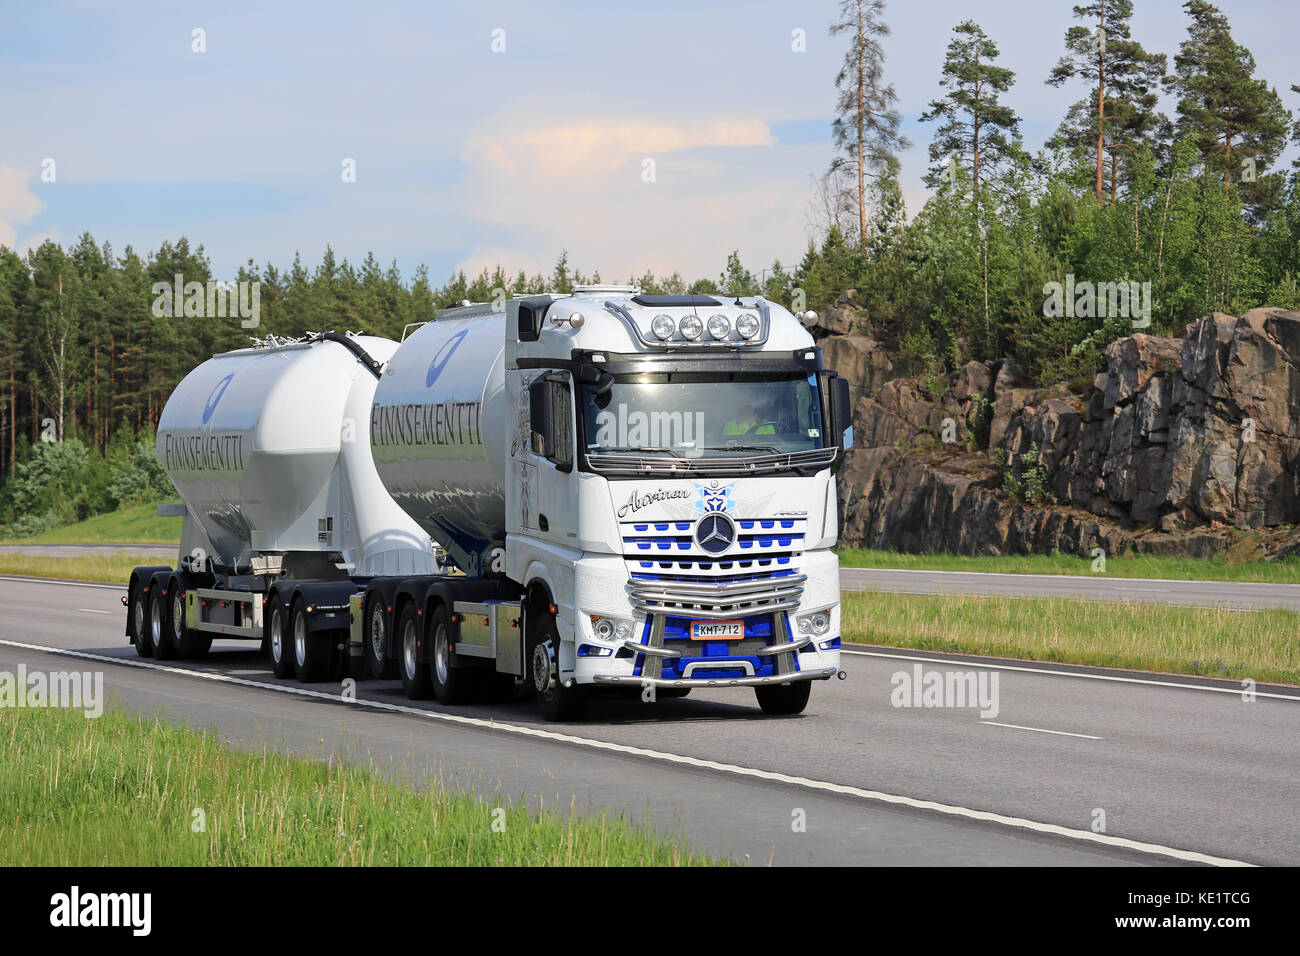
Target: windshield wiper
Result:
[766, 448]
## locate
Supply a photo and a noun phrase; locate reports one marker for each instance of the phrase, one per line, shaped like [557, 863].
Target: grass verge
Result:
[1283, 571]
[1212, 642]
[111, 568]
[137, 525]
[123, 790]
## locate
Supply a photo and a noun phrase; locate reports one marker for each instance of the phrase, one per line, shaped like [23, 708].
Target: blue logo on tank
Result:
[443, 356]
[215, 397]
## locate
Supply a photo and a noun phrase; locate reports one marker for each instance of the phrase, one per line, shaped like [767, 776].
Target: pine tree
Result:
[1121, 109]
[977, 129]
[1237, 121]
[866, 127]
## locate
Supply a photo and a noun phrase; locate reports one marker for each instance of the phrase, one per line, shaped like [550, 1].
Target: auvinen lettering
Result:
[444, 423]
[203, 452]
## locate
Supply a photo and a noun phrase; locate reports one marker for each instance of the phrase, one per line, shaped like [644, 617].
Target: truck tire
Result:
[311, 651]
[277, 639]
[381, 666]
[140, 620]
[451, 685]
[416, 680]
[784, 698]
[554, 700]
[188, 644]
[158, 627]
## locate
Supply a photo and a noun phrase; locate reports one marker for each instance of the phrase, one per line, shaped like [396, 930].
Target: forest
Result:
[1196, 207]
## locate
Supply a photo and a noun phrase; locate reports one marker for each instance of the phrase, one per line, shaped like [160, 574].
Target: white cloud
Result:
[18, 205]
[580, 184]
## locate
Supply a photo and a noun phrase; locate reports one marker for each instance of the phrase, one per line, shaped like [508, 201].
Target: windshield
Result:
[694, 415]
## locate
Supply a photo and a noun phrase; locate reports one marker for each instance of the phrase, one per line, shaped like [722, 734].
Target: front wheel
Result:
[784, 698]
[554, 700]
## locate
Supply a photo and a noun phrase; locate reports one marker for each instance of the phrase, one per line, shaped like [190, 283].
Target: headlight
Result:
[746, 325]
[610, 628]
[719, 327]
[817, 623]
[690, 327]
[662, 326]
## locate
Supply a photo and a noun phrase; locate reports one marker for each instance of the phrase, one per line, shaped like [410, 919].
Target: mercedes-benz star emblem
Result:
[714, 533]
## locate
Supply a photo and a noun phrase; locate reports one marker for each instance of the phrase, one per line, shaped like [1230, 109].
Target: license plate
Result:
[717, 630]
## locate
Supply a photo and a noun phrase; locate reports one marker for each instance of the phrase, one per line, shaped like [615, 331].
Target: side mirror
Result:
[843, 412]
[532, 312]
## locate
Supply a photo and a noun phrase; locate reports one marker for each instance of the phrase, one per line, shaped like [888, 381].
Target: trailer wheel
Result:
[277, 639]
[376, 642]
[187, 643]
[311, 652]
[784, 698]
[554, 700]
[140, 621]
[415, 676]
[451, 685]
[158, 627]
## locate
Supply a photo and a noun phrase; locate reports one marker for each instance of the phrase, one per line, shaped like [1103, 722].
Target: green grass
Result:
[1212, 642]
[1228, 568]
[122, 790]
[137, 525]
[111, 568]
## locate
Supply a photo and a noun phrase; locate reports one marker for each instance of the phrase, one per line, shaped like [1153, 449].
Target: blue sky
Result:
[467, 157]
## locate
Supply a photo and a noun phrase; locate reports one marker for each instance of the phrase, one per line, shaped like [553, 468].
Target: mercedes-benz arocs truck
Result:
[597, 489]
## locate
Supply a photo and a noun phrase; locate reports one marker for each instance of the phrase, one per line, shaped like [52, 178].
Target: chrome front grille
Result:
[669, 574]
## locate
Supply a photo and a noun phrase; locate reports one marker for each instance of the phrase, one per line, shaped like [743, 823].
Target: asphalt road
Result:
[1099, 588]
[1184, 770]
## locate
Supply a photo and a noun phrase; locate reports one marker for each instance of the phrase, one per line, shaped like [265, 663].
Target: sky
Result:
[635, 136]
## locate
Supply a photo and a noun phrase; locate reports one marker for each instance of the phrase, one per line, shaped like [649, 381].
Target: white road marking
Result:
[1082, 836]
[91, 610]
[1040, 730]
[1045, 670]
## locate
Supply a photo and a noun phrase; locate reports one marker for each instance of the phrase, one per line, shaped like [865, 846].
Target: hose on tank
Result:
[352, 345]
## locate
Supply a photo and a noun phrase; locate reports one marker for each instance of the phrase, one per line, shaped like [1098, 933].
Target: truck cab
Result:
[672, 461]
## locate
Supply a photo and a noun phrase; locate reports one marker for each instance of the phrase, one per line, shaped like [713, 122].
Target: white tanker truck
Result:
[625, 490]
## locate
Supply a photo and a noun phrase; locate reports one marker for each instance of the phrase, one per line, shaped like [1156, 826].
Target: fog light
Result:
[747, 326]
[719, 327]
[663, 327]
[690, 327]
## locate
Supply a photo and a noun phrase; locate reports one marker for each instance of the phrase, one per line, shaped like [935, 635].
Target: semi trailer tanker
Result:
[604, 489]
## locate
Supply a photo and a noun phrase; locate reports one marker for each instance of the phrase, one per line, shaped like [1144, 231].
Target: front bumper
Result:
[820, 673]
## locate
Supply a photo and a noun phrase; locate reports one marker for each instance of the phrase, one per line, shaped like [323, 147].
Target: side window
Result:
[551, 416]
